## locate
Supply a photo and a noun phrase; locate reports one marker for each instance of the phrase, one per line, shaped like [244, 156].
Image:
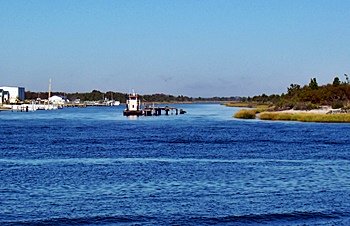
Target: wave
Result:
[96, 161]
[272, 218]
[94, 220]
[278, 218]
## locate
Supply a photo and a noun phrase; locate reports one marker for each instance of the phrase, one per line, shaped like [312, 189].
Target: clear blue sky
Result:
[190, 47]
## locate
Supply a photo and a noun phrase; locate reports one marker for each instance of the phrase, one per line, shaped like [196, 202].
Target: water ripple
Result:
[168, 160]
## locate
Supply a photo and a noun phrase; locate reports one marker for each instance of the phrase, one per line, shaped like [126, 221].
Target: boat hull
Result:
[129, 113]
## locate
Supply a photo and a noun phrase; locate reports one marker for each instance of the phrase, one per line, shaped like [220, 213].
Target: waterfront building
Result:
[14, 94]
[57, 100]
[4, 96]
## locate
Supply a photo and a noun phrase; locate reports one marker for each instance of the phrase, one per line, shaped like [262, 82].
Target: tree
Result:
[293, 89]
[313, 84]
[347, 78]
[336, 81]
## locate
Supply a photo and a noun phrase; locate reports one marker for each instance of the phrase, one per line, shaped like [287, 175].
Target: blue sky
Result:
[182, 47]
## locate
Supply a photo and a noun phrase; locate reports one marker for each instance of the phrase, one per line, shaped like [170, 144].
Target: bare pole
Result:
[49, 88]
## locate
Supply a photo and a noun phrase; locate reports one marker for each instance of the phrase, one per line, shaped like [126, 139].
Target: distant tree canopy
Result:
[293, 89]
[310, 96]
[313, 84]
[336, 81]
[96, 95]
[346, 79]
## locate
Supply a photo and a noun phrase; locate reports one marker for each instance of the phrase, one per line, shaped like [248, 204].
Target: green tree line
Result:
[310, 96]
[96, 95]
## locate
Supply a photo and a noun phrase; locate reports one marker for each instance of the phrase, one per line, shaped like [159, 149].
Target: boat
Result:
[133, 105]
[133, 108]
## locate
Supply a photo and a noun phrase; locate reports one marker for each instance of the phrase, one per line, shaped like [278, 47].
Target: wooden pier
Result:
[134, 108]
[79, 105]
[156, 111]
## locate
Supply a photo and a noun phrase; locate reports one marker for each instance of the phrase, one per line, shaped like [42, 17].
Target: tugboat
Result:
[133, 105]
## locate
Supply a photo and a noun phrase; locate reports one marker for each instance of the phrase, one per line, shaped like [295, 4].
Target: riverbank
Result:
[2, 108]
[305, 117]
[325, 114]
[246, 105]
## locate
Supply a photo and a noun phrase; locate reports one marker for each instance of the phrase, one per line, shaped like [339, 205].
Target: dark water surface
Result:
[95, 167]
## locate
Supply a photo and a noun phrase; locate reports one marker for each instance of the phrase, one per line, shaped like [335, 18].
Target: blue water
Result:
[93, 166]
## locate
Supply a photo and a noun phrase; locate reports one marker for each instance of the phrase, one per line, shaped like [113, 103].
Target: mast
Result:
[49, 89]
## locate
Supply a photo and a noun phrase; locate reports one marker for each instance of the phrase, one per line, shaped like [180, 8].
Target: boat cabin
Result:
[133, 105]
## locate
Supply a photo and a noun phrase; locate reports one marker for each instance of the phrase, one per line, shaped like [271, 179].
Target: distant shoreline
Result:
[324, 115]
[185, 102]
[4, 108]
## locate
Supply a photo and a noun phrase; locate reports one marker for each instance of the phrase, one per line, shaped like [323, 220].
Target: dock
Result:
[78, 105]
[156, 111]
[134, 108]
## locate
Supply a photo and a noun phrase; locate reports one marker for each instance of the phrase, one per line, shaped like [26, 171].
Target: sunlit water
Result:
[94, 166]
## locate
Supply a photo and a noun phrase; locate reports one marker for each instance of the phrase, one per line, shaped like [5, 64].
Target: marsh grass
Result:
[245, 114]
[305, 117]
[248, 113]
[246, 105]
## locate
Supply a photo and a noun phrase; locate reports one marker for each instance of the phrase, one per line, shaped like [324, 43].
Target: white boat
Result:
[133, 105]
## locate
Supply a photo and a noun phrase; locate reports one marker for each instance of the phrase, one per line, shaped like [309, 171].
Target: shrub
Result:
[284, 105]
[337, 104]
[246, 114]
[305, 106]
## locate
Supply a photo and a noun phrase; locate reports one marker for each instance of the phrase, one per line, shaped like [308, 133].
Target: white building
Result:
[56, 100]
[14, 93]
